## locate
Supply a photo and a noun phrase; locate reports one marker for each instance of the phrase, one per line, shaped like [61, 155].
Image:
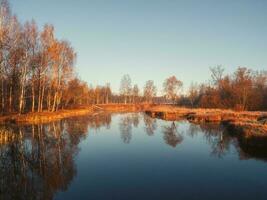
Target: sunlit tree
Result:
[150, 91]
[126, 87]
[171, 86]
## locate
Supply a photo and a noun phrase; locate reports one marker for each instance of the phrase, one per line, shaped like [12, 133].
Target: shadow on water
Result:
[39, 160]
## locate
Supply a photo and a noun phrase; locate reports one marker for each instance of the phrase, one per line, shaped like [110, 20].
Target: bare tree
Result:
[5, 19]
[242, 87]
[150, 91]
[193, 93]
[217, 74]
[126, 87]
[44, 69]
[31, 62]
[107, 93]
[135, 93]
[171, 86]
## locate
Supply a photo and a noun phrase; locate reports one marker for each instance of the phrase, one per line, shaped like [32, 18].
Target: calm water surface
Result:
[128, 156]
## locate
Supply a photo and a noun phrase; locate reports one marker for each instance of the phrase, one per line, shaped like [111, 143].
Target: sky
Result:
[154, 39]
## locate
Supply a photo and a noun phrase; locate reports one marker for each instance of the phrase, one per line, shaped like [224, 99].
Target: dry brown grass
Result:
[224, 114]
[45, 116]
[123, 107]
[248, 122]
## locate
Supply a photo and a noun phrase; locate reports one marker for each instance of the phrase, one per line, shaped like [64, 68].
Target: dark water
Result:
[128, 156]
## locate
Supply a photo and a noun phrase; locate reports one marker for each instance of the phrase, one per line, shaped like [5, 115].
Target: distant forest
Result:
[37, 73]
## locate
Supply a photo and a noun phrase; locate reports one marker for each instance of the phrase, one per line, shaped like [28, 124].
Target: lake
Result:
[128, 156]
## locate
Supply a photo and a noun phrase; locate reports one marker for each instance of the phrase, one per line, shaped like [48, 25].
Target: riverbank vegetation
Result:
[246, 123]
[245, 89]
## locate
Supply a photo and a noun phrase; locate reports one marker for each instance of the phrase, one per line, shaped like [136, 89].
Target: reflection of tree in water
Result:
[135, 118]
[221, 139]
[125, 125]
[99, 120]
[252, 147]
[171, 135]
[193, 130]
[217, 136]
[37, 161]
[150, 124]
[80, 125]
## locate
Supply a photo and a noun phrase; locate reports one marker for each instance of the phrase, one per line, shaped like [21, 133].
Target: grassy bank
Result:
[122, 107]
[44, 117]
[249, 124]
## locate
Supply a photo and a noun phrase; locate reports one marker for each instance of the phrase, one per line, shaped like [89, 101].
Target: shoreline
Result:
[249, 124]
[46, 116]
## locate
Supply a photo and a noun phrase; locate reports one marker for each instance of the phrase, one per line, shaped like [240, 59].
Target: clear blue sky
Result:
[151, 39]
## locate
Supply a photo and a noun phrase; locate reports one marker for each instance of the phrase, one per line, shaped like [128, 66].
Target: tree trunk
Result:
[2, 95]
[54, 102]
[49, 96]
[33, 97]
[39, 92]
[21, 99]
[10, 98]
[107, 100]
[58, 101]
[42, 98]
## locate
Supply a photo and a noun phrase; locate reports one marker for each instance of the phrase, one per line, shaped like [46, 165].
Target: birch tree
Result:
[150, 91]
[171, 87]
[125, 87]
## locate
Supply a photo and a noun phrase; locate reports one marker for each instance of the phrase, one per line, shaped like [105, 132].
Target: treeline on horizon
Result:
[37, 73]
[245, 89]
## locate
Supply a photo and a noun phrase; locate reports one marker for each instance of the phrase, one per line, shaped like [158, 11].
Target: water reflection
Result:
[99, 120]
[126, 123]
[126, 129]
[171, 134]
[150, 125]
[219, 139]
[136, 119]
[37, 161]
[252, 148]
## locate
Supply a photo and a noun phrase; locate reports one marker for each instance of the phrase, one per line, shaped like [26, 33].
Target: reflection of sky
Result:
[149, 168]
[158, 38]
